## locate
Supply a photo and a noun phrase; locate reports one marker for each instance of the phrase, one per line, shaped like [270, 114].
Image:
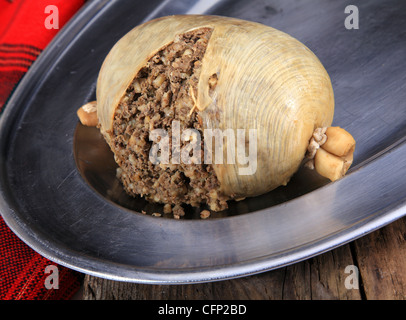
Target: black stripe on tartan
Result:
[21, 47]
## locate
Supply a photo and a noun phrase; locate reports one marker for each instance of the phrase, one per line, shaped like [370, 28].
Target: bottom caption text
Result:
[207, 309]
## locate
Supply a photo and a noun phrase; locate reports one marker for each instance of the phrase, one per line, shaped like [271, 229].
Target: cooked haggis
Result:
[261, 90]
[159, 95]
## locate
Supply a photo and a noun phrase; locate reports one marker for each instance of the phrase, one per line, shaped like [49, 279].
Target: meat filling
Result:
[164, 91]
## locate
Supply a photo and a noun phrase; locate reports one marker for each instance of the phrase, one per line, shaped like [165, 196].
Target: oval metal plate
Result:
[59, 195]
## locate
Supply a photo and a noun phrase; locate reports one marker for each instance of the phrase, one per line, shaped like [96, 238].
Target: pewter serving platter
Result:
[58, 191]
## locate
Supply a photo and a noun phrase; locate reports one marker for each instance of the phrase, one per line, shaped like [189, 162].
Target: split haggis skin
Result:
[159, 95]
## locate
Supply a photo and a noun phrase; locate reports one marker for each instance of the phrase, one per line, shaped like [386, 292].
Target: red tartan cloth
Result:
[24, 33]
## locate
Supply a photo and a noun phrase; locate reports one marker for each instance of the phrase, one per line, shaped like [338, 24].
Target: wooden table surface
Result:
[379, 258]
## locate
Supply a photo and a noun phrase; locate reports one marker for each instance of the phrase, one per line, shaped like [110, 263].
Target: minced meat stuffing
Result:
[162, 92]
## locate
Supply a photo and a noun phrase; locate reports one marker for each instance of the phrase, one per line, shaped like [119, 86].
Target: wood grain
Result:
[381, 257]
